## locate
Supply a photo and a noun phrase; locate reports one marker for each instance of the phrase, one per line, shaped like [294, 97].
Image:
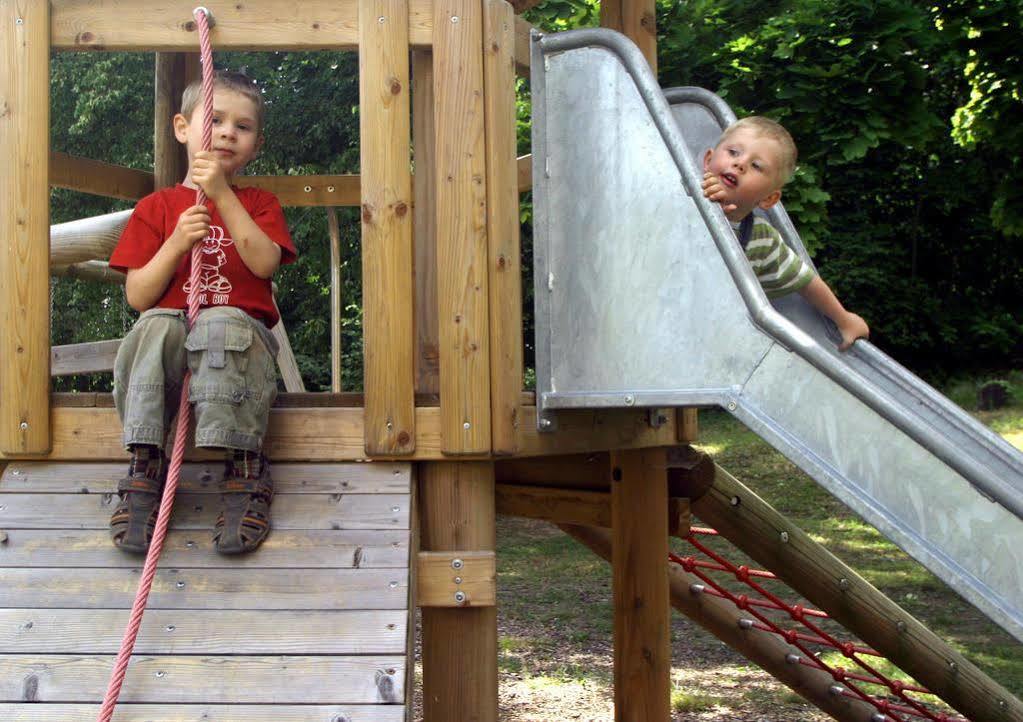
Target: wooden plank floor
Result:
[312, 627]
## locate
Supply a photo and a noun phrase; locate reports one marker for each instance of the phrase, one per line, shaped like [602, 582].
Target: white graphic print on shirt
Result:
[213, 259]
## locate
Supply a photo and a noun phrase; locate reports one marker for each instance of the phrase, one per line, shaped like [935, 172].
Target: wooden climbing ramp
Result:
[314, 626]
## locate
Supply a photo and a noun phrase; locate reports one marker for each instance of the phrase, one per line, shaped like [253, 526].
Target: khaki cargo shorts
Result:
[233, 384]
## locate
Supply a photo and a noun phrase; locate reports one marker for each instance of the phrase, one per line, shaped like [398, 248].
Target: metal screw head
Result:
[466, 425]
[745, 624]
[457, 564]
[792, 658]
[953, 666]
[454, 18]
[171, 627]
[460, 597]
[843, 583]
[545, 423]
[784, 537]
[3, 537]
[160, 673]
[308, 189]
[393, 585]
[381, 20]
[731, 406]
[330, 189]
[630, 400]
[735, 501]
[458, 580]
[19, 21]
[900, 625]
[180, 585]
[23, 425]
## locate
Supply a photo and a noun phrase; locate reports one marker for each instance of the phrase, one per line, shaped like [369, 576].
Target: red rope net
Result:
[768, 613]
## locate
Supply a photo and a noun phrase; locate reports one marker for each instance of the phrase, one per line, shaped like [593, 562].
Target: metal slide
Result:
[644, 299]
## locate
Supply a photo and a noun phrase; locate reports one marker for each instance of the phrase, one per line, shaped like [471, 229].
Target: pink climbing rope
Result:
[180, 438]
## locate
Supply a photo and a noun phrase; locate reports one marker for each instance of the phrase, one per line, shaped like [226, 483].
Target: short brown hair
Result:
[775, 131]
[232, 80]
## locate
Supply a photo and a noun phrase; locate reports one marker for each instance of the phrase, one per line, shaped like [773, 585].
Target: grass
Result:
[555, 596]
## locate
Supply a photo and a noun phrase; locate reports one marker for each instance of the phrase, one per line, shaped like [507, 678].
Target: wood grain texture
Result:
[425, 224]
[440, 576]
[35, 712]
[308, 190]
[637, 20]
[24, 227]
[174, 71]
[642, 644]
[387, 275]
[83, 358]
[252, 25]
[505, 275]
[102, 179]
[461, 194]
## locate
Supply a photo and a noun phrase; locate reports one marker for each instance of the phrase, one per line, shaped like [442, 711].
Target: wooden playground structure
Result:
[450, 436]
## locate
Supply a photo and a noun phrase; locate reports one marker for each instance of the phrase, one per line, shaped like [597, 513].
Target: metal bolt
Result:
[393, 585]
[3, 537]
[16, 472]
[454, 18]
[900, 625]
[308, 189]
[835, 690]
[745, 624]
[735, 501]
[731, 406]
[458, 580]
[171, 627]
[460, 597]
[792, 658]
[696, 588]
[877, 717]
[545, 423]
[381, 20]
[843, 583]
[784, 537]
[457, 564]
[19, 21]
[160, 673]
[466, 426]
[390, 425]
[330, 189]
[190, 544]
[630, 400]
[24, 425]
[180, 585]
[953, 666]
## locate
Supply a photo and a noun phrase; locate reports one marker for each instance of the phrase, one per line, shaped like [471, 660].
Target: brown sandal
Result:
[134, 519]
[244, 519]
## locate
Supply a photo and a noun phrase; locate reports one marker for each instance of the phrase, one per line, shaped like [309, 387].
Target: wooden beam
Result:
[387, 276]
[98, 271]
[721, 618]
[141, 25]
[761, 532]
[286, 362]
[462, 227]
[459, 645]
[505, 282]
[308, 190]
[456, 579]
[524, 171]
[87, 239]
[24, 227]
[559, 506]
[523, 31]
[637, 19]
[102, 179]
[642, 644]
[83, 358]
[424, 131]
[174, 71]
[336, 303]
[335, 432]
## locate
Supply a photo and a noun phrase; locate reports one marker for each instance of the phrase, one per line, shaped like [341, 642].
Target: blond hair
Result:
[232, 80]
[774, 130]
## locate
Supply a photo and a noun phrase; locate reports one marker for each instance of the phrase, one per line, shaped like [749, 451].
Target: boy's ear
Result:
[706, 159]
[770, 200]
[180, 124]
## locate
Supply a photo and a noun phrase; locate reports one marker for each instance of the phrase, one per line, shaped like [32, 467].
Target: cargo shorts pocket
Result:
[227, 364]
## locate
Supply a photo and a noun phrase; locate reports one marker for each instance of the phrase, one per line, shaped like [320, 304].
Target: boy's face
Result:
[236, 136]
[749, 168]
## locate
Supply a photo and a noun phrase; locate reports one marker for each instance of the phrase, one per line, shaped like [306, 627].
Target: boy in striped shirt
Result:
[753, 159]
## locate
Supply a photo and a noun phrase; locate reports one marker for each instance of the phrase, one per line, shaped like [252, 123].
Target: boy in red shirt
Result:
[230, 352]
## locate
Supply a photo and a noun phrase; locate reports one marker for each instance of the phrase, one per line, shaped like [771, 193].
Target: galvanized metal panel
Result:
[644, 298]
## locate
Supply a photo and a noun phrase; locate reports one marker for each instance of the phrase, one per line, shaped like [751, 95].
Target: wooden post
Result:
[174, 71]
[24, 227]
[461, 227]
[503, 225]
[637, 19]
[460, 644]
[642, 646]
[336, 307]
[387, 294]
[720, 617]
[425, 232]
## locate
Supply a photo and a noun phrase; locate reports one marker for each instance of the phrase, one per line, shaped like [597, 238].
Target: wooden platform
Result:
[313, 627]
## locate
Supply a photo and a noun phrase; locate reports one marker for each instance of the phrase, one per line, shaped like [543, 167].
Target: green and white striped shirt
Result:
[779, 269]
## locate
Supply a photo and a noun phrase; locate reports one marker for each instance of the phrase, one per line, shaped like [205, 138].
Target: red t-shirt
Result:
[226, 280]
